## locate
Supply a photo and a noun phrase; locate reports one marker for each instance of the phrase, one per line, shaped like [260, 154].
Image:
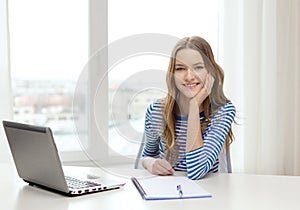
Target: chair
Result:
[225, 162]
[225, 159]
[138, 162]
[229, 167]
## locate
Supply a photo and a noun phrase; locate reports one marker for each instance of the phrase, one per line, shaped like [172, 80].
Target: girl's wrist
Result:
[194, 104]
[147, 162]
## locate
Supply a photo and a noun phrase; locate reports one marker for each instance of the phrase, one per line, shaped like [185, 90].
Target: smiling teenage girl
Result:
[190, 129]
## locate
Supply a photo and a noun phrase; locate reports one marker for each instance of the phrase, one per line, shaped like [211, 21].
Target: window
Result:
[49, 48]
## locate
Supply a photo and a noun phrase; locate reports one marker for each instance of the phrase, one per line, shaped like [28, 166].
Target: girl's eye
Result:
[179, 69]
[199, 67]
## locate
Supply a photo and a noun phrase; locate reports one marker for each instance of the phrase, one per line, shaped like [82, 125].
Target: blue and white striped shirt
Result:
[197, 162]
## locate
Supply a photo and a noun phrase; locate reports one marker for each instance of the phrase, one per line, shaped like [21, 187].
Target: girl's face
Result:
[190, 72]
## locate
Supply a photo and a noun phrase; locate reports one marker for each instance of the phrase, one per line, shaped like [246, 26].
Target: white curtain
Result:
[262, 48]
[5, 88]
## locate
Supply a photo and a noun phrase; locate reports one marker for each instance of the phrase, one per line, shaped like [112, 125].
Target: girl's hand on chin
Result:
[204, 91]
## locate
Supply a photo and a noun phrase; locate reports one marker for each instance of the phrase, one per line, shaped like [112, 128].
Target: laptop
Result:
[37, 161]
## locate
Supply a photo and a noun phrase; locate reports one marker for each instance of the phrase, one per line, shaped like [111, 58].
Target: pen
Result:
[179, 191]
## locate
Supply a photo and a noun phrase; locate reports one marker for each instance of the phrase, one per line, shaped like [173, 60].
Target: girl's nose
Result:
[190, 74]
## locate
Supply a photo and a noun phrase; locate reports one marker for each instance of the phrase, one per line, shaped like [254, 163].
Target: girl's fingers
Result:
[162, 167]
[158, 169]
[166, 165]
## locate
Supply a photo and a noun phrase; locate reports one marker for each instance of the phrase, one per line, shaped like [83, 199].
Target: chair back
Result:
[138, 160]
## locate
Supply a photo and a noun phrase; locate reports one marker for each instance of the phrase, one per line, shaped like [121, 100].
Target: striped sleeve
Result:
[201, 160]
[153, 121]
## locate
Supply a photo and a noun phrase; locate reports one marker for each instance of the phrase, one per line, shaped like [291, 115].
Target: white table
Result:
[229, 191]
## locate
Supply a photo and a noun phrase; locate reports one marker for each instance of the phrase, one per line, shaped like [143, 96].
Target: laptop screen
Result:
[35, 155]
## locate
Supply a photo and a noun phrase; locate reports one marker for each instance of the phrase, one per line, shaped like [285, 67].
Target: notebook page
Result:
[164, 187]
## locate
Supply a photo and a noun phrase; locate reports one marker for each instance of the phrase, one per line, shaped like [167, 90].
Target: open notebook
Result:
[169, 187]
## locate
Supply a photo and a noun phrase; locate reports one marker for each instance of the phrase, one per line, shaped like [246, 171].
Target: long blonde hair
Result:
[215, 100]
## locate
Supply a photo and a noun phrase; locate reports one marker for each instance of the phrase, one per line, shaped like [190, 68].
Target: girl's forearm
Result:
[194, 135]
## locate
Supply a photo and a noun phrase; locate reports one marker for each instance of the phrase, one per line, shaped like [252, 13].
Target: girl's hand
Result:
[204, 91]
[158, 166]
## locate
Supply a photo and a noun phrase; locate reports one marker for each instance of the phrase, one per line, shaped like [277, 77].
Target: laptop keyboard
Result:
[79, 184]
